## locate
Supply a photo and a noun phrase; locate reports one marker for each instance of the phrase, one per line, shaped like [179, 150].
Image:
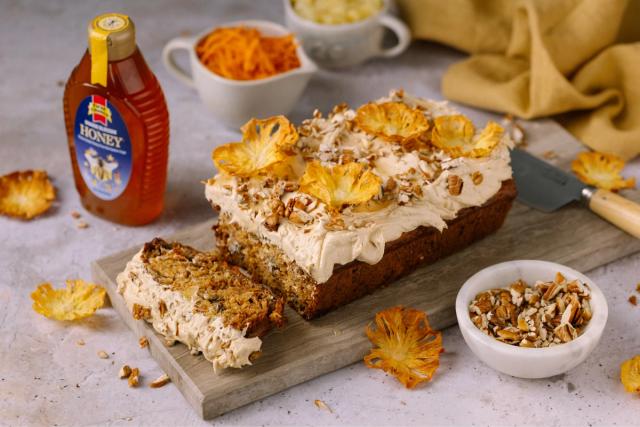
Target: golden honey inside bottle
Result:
[117, 126]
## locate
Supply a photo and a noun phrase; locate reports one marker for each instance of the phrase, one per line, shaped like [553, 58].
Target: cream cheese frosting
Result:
[423, 196]
[222, 345]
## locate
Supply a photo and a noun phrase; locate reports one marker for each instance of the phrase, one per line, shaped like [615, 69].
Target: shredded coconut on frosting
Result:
[416, 184]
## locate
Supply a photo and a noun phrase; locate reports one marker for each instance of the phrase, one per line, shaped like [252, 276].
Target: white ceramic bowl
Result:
[234, 102]
[345, 45]
[528, 362]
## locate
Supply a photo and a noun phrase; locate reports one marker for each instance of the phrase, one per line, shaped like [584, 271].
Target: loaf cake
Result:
[198, 299]
[332, 210]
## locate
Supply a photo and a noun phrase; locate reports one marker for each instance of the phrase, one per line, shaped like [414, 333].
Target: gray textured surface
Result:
[45, 378]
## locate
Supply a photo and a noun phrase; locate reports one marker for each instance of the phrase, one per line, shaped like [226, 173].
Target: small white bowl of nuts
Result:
[531, 319]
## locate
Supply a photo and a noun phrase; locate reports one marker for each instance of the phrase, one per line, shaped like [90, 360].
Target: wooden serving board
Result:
[304, 350]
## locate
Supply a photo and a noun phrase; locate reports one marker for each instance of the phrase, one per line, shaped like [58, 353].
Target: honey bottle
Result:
[117, 126]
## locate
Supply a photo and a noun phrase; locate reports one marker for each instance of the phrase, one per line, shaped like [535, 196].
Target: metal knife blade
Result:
[541, 185]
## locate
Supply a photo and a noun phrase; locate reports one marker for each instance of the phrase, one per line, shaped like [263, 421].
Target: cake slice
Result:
[333, 209]
[201, 301]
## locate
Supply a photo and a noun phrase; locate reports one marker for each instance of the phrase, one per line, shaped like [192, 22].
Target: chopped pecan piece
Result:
[140, 312]
[454, 184]
[477, 178]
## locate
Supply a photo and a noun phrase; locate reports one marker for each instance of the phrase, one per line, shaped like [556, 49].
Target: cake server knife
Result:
[547, 188]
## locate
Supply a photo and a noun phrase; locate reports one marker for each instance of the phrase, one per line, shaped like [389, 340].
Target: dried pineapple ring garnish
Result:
[601, 170]
[26, 194]
[630, 374]
[406, 346]
[79, 299]
[349, 184]
[264, 143]
[456, 135]
[392, 121]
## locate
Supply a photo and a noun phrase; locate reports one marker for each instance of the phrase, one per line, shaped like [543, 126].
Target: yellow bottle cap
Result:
[111, 37]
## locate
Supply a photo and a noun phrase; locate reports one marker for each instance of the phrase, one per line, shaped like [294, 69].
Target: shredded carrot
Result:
[240, 53]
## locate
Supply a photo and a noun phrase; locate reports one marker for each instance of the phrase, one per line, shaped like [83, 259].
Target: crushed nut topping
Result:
[161, 381]
[272, 222]
[477, 178]
[545, 315]
[454, 184]
[103, 354]
[140, 312]
[162, 308]
[321, 405]
[124, 372]
[633, 300]
[143, 342]
[134, 377]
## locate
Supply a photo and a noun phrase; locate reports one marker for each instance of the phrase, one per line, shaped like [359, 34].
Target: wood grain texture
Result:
[304, 350]
[617, 210]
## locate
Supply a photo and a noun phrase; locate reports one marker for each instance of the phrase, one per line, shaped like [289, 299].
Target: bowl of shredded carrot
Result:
[243, 53]
[243, 69]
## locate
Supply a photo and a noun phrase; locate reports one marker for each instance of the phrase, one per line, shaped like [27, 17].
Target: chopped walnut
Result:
[335, 223]
[390, 185]
[162, 308]
[454, 184]
[140, 312]
[290, 186]
[297, 218]
[143, 342]
[272, 222]
[134, 377]
[124, 372]
[633, 300]
[477, 178]
[397, 93]
[547, 314]
[161, 381]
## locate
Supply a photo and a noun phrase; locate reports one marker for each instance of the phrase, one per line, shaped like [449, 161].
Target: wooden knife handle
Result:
[619, 211]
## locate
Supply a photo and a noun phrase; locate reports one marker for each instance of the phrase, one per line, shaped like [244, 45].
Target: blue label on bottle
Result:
[103, 148]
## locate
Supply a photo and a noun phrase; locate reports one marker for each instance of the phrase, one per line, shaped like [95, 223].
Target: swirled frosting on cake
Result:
[421, 186]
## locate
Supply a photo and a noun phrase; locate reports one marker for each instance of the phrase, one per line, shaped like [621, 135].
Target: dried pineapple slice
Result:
[406, 346]
[601, 170]
[457, 136]
[264, 144]
[26, 194]
[349, 184]
[78, 300]
[630, 374]
[392, 121]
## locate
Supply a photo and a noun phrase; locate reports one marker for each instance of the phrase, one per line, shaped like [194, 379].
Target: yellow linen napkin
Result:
[576, 59]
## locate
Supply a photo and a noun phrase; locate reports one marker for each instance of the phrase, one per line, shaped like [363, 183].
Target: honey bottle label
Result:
[103, 147]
